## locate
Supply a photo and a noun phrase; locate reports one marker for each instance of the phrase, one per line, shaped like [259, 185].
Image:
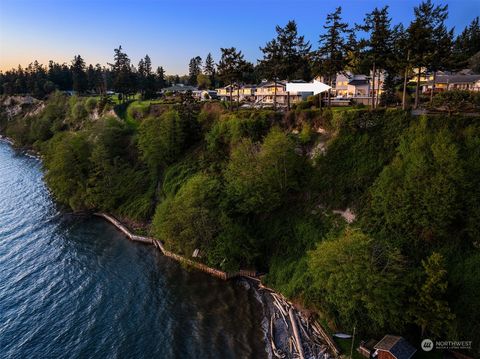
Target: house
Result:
[349, 85]
[458, 81]
[266, 95]
[394, 347]
[204, 94]
[240, 93]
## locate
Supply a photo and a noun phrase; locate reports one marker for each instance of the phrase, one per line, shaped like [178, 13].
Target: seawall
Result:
[189, 262]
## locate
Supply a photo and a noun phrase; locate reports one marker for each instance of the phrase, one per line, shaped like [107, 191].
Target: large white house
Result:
[282, 93]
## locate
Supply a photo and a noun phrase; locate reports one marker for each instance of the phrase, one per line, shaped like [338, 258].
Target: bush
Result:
[258, 177]
[78, 114]
[91, 104]
[359, 282]
[190, 219]
[365, 141]
[456, 101]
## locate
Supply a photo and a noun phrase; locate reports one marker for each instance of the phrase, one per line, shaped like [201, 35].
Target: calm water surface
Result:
[75, 288]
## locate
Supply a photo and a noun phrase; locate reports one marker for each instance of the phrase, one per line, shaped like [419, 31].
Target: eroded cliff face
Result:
[24, 106]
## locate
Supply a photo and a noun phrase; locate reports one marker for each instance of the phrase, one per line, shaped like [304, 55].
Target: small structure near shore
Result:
[394, 347]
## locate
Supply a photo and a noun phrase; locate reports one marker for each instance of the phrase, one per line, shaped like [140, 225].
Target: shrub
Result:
[456, 101]
[189, 220]
[358, 281]
[258, 177]
[91, 104]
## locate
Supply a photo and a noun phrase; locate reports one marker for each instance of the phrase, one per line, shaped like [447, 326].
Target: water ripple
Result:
[75, 288]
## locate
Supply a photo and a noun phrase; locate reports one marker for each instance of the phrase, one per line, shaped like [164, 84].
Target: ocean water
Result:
[73, 287]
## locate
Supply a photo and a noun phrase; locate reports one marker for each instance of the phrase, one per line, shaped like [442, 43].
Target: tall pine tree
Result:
[79, 76]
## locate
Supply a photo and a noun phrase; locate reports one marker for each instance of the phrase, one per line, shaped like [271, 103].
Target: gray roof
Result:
[397, 346]
[455, 79]
[358, 82]
[271, 84]
[180, 88]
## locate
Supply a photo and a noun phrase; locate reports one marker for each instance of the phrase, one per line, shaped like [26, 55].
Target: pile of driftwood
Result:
[293, 336]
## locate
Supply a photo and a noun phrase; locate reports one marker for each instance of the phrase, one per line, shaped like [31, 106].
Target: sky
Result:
[173, 31]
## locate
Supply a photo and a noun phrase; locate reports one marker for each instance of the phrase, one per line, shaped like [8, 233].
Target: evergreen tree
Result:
[123, 76]
[230, 68]
[467, 44]
[441, 56]
[146, 78]
[358, 281]
[271, 65]
[378, 47]
[209, 69]
[295, 52]
[194, 69]
[395, 66]
[430, 309]
[285, 57]
[421, 37]
[160, 81]
[331, 56]
[79, 76]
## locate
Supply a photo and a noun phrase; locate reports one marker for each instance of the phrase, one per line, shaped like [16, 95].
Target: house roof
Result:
[272, 84]
[358, 82]
[455, 79]
[397, 346]
[180, 88]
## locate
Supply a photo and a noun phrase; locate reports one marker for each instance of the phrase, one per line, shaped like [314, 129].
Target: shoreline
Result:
[307, 340]
[288, 332]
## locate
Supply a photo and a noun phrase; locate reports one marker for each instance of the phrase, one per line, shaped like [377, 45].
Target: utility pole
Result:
[353, 341]
[405, 79]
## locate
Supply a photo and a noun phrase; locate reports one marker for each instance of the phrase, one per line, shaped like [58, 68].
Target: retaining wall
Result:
[158, 244]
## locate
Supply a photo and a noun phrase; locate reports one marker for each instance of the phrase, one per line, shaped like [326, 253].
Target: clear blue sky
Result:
[173, 31]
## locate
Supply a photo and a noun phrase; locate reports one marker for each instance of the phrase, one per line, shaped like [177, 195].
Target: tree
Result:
[160, 81]
[95, 79]
[358, 281]
[421, 37]
[331, 56]
[79, 75]
[203, 81]
[467, 44]
[209, 69]
[441, 56]
[378, 47]
[259, 177]
[295, 51]
[161, 140]
[456, 101]
[194, 69]
[474, 62]
[230, 68]
[123, 76]
[415, 200]
[286, 56]
[68, 168]
[190, 219]
[146, 78]
[430, 310]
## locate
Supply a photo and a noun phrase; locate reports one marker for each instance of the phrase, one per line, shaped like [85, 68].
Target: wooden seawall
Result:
[219, 274]
[191, 263]
[124, 229]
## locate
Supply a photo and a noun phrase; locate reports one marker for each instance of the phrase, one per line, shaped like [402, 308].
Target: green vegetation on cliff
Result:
[250, 192]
